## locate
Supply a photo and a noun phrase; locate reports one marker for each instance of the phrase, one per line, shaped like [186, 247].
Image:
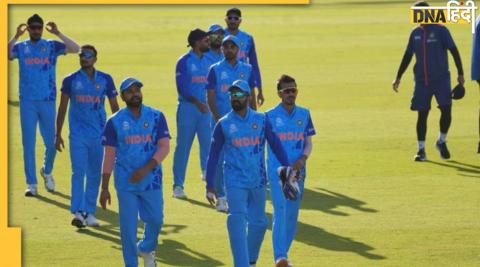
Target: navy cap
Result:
[458, 92]
[195, 35]
[233, 39]
[242, 85]
[214, 27]
[129, 82]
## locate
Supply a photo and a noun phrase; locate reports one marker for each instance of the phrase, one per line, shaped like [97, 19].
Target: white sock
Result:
[442, 137]
[421, 145]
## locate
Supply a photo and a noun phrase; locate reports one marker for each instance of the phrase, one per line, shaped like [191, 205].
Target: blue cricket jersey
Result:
[37, 62]
[221, 76]
[87, 114]
[248, 54]
[292, 130]
[430, 43]
[191, 76]
[213, 57]
[243, 144]
[135, 140]
[476, 53]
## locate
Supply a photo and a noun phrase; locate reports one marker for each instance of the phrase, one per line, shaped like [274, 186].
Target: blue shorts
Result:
[422, 95]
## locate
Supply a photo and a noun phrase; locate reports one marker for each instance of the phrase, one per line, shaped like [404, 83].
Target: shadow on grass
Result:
[13, 103]
[327, 201]
[464, 169]
[168, 251]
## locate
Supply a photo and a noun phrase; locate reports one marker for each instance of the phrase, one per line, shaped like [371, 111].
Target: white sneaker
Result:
[178, 192]
[90, 220]
[148, 258]
[48, 179]
[222, 205]
[31, 190]
[282, 262]
[78, 221]
[203, 176]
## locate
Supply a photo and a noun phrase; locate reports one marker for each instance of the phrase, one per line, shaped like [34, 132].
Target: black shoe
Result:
[442, 148]
[78, 221]
[421, 156]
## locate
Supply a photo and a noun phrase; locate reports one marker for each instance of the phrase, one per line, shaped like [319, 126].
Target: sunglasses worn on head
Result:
[233, 18]
[289, 91]
[237, 94]
[86, 55]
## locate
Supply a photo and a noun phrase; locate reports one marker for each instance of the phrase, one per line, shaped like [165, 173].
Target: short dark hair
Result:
[421, 3]
[285, 79]
[235, 11]
[35, 18]
[91, 47]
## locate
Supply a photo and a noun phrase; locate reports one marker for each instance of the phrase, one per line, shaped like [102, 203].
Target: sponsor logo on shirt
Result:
[87, 99]
[199, 79]
[233, 128]
[138, 139]
[145, 124]
[246, 141]
[126, 125]
[279, 122]
[291, 136]
[37, 60]
[193, 67]
[224, 75]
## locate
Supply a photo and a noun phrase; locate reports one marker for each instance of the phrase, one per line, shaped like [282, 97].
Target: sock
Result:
[442, 137]
[421, 145]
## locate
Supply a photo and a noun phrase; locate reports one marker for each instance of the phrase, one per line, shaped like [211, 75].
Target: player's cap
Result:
[195, 35]
[214, 27]
[129, 82]
[233, 39]
[242, 85]
[235, 11]
[458, 92]
[35, 19]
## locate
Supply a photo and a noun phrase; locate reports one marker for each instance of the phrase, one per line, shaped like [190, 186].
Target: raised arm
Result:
[72, 46]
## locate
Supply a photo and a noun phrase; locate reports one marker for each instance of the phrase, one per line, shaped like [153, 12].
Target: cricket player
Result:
[476, 65]
[220, 78]
[247, 51]
[294, 128]
[241, 134]
[430, 44]
[193, 115]
[37, 59]
[215, 36]
[136, 141]
[86, 90]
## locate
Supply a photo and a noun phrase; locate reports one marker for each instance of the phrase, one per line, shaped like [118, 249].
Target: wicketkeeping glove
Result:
[289, 182]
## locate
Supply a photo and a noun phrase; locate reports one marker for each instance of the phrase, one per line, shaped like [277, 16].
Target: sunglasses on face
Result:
[35, 27]
[86, 55]
[237, 94]
[288, 91]
[235, 18]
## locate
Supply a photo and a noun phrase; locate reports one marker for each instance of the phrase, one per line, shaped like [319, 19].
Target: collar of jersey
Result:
[240, 118]
[130, 115]
[84, 74]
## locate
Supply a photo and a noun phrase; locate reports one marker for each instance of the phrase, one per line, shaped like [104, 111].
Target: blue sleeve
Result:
[410, 45]
[59, 48]
[218, 139]
[67, 85]
[14, 53]
[275, 144]
[109, 136]
[252, 59]
[448, 42]
[310, 130]
[111, 91]
[162, 128]
[475, 67]
[181, 74]
[251, 80]
[212, 80]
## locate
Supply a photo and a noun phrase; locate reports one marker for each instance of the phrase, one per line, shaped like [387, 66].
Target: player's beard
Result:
[134, 102]
[237, 105]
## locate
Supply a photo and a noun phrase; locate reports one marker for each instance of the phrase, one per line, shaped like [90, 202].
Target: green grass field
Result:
[366, 203]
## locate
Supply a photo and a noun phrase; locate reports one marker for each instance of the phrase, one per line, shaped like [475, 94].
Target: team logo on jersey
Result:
[126, 125]
[242, 43]
[97, 86]
[224, 75]
[233, 128]
[242, 75]
[300, 122]
[194, 67]
[26, 50]
[279, 122]
[254, 126]
[78, 85]
[43, 49]
[145, 124]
